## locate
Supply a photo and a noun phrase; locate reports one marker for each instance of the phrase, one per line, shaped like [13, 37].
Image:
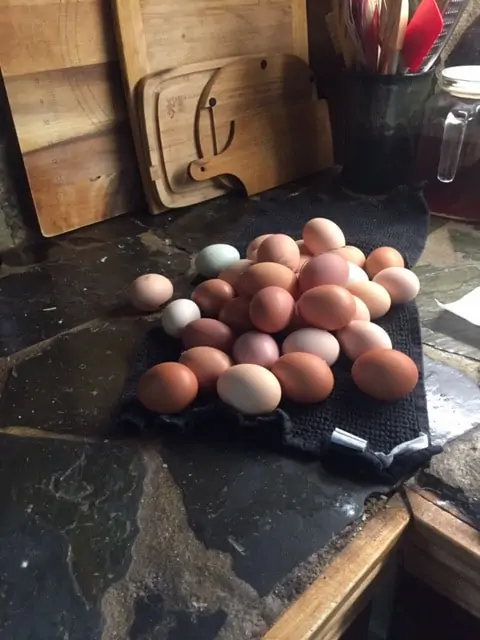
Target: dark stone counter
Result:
[113, 539]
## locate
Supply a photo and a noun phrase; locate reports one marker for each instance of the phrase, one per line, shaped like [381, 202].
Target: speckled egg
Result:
[150, 291]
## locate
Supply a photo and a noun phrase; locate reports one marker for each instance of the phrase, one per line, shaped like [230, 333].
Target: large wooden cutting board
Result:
[63, 83]
[156, 35]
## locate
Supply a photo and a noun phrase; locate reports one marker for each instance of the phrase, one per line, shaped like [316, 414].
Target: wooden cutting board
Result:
[168, 103]
[276, 145]
[63, 83]
[244, 87]
[200, 30]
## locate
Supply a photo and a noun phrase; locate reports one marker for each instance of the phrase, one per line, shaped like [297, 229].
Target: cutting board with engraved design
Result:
[157, 35]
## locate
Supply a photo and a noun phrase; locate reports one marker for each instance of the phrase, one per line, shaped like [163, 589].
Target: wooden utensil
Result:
[232, 28]
[393, 24]
[422, 31]
[64, 87]
[168, 102]
[246, 86]
[275, 145]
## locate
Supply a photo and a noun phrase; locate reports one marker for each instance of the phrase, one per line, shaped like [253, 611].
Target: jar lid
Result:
[462, 81]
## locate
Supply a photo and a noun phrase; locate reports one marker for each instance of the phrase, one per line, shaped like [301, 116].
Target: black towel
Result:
[400, 221]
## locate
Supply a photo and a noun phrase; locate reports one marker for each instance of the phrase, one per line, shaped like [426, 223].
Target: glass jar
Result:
[448, 157]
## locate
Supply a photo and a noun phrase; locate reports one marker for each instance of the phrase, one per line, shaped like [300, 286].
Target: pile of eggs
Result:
[318, 297]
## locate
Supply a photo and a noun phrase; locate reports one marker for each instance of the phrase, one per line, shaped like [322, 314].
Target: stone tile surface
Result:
[163, 537]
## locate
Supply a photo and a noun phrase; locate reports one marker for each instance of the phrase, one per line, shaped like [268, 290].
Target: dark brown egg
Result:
[212, 295]
[236, 314]
[168, 387]
[207, 332]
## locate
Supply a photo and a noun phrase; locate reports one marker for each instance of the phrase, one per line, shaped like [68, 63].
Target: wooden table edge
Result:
[443, 551]
[331, 603]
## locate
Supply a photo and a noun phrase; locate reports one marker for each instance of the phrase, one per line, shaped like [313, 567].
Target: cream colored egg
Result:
[250, 389]
[316, 341]
[359, 337]
[402, 284]
[356, 274]
[361, 310]
[321, 235]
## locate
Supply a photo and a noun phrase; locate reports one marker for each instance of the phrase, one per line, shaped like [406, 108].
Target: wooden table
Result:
[435, 545]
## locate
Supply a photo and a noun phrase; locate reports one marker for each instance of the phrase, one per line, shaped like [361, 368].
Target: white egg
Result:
[355, 273]
[178, 314]
[215, 258]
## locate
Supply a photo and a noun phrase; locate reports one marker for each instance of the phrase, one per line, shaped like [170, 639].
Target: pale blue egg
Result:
[215, 258]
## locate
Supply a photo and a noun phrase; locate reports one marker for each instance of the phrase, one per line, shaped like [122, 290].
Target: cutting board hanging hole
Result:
[263, 64]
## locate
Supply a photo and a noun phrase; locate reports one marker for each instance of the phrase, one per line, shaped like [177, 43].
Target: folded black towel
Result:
[400, 221]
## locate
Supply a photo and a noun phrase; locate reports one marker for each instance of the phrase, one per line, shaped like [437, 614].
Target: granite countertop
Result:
[110, 539]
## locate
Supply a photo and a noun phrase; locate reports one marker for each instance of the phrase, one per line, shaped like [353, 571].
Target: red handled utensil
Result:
[422, 31]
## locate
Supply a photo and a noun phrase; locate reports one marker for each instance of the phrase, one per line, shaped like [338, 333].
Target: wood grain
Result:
[329, 606]
[273, 146]
[169, 103]
[199, 31]
[444, 552]
[245, 86]
[63, 84]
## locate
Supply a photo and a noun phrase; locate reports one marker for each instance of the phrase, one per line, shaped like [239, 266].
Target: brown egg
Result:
[207, 332]
[382, 258]
[327, 307]
[385, 374]
[236, 314]
[212, 295]
[267, 274]
[303, 377]
[374, 296]
[254, 245]
[234, 271]
[254, 347]
[271, 309]
[324, 269]
[207, 364]
[351, 254]
[279, 248]
[168, 387]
